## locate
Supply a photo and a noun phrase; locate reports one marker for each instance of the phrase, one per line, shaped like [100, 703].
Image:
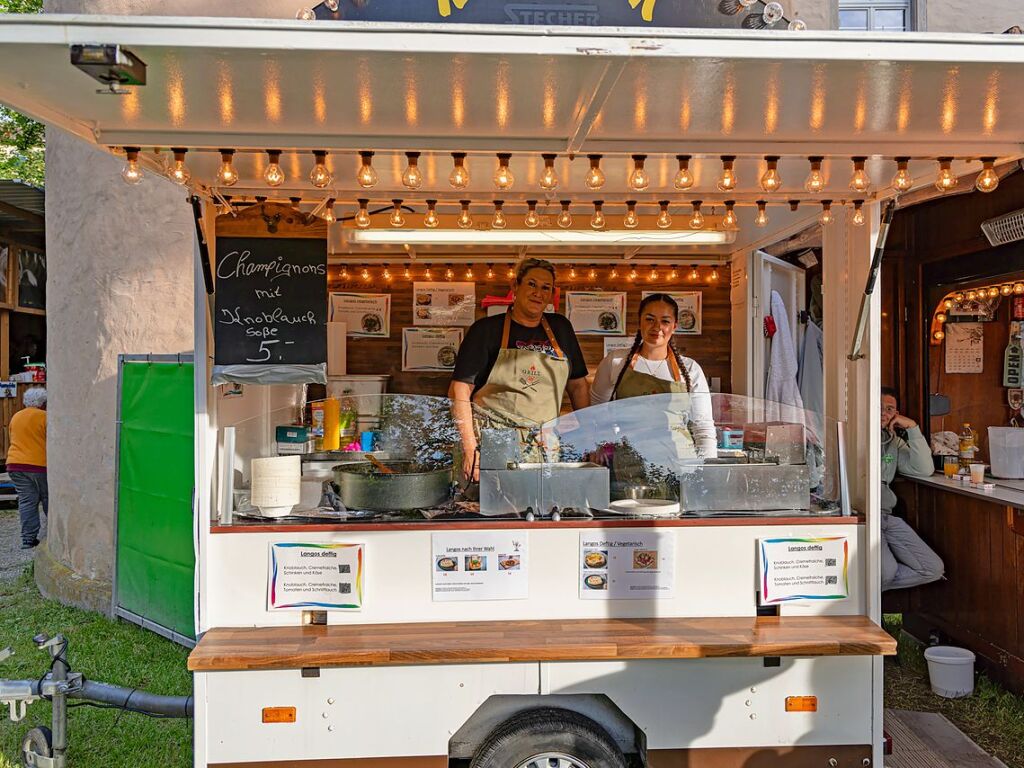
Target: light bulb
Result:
[815, 182]
[988, 179]
[592, 274]
[697, 220]
[948, 303]
[684, 177]
[729, 220]
[131, 172]
[430, 219]
[972, 295]
[762, 214]
[397, 219]
[595, 176]
[344, 273]
[771, 181]
[858, 213]
[1018, 289]
[362, 219]
[940, 317]
[714, 275]
[469, 273]
[674, 274]
[366, 176]
[632, 274]
[694, 274]
[639, 179]
[652, 275]
[939, 335]
[902, 181]
[490, 272]
[407, 274]
[572, 273]
[993, 292]
[412, 178]
[365, 274]
[597, 220]
[664, 218]
[859, 182]
[958, 298]
[772, 13]
[448, 273]
[614, 273]
[465, 220]
[827, 216]
[178, 173]
[945, 180]
[331, 5]
[503, 178]
[386, 274]
[498, 220]
[631, 221]
[459, 177]
[320, 177]
[727, 181]
[1006, 290]
[274, 174]
[226, 173]
[798, 25]
[532, 220]
[427, 274]
[305, 14]
[510, 273]
[565, 218]
[328, 214]
[548, 178]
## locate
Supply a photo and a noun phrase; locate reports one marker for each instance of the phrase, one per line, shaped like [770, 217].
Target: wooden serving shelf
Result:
[225, 649]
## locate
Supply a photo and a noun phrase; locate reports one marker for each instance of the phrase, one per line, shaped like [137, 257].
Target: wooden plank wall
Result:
[384, 356]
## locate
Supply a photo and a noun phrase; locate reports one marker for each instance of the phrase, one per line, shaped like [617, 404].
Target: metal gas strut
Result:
[46, 747]
[869, 288]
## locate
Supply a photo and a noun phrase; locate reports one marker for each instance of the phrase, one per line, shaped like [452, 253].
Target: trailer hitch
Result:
[46, 747]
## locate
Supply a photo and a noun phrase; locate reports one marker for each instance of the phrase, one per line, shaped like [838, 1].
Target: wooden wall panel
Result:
[384, 356]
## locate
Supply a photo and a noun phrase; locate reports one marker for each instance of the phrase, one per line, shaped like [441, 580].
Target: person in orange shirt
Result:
[26, 463]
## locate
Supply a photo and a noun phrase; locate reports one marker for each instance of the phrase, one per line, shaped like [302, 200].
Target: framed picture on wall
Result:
[690, 311]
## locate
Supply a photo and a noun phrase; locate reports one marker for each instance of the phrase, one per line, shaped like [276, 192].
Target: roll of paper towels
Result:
[276, 484]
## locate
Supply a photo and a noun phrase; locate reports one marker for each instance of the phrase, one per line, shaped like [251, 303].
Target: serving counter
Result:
[980, 603]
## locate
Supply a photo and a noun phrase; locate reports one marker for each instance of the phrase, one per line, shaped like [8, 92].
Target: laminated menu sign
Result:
[596, 312]
[804, 569]
[479, 565]
[443, 303]
[690, 313]
[430, 349]
[365, 314]
[627, 565]
[315, 576]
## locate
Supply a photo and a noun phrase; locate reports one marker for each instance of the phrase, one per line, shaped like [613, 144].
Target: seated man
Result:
[906, 560]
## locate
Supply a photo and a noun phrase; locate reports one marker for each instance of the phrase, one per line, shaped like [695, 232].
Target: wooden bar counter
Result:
[980, 603]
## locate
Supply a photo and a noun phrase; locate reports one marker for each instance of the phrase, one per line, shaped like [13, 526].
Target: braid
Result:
[637, 343]
[682, 367]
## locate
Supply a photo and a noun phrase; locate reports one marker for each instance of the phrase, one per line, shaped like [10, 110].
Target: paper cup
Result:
[978, 473]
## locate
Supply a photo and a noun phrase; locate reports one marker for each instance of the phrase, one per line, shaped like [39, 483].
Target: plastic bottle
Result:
[968, 445]
[326, 424]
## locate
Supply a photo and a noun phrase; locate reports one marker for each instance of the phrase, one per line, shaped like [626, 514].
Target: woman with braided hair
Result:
[654, 366]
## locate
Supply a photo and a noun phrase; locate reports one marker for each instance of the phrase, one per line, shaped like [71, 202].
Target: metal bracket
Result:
[17, 709]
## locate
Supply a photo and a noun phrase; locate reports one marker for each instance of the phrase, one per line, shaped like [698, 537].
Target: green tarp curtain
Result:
[156, 475]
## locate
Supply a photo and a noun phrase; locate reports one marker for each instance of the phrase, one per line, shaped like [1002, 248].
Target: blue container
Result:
[366, 441]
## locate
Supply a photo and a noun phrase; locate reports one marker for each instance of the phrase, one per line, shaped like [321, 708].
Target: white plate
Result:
[645, 507]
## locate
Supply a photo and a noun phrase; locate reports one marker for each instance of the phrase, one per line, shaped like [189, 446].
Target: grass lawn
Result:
[992, 717]
[105, 651]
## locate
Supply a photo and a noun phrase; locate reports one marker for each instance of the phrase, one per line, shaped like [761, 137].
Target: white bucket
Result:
[951, 671]
[1006, 448]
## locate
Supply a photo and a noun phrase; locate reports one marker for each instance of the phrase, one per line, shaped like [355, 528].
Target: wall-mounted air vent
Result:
[1008, 228]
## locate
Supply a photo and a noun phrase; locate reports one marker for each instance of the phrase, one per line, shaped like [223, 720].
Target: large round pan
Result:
[410, 486]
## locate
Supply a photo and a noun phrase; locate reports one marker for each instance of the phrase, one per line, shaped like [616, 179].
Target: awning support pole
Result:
[869, 288]
[204, 250]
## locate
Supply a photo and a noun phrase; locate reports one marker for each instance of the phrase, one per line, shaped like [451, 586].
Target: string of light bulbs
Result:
[638, 179]
[694, 274]
[956, 302]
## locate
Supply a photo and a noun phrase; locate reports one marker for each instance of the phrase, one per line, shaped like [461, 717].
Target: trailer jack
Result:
[46, 747]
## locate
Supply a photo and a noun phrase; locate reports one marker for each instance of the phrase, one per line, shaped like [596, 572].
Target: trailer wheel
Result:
[37, 742]
[549, 738]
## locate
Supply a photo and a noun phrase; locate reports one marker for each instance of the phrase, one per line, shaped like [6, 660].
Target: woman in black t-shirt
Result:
[518, 366]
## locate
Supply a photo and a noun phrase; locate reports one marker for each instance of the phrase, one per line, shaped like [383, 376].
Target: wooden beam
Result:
[21, 213]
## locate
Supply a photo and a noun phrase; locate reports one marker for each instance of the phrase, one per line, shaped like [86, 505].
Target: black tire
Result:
[553, 731]
[38, 741]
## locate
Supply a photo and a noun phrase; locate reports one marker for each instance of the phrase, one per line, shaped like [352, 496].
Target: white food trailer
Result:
[409, 667]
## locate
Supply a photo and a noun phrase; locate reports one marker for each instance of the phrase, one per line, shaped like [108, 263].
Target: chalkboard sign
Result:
[270, 310]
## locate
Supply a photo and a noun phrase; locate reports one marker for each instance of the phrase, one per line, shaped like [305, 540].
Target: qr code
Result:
[831, 579]
[345, 587]
[830, 562]
[346, 568]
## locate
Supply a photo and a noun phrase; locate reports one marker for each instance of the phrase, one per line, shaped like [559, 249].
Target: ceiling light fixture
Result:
[226, 174]
[597, 220]
[465, 221]
[397, 219]
[459, 177]
[366, 176]
[697, 220]
[902, 181]
[565, 218]
[179, 173]
[771, 181]
[498, 219]
[362, 218]
[664, 218]
[815, 182]
[684, 177]
[595, 176]
[762, 214]
[320, 177]
[727, 181]
[532, 220]
[503, 178]
[412, 178]
[988, 179]
[860, 181]
[639, 179]
[548, 178]
[430, 218]
[945, 180]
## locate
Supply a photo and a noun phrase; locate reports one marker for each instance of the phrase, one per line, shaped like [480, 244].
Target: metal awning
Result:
[22, 207]
[252, 85]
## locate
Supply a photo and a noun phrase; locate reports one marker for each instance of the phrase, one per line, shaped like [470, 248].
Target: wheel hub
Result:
[552, 760]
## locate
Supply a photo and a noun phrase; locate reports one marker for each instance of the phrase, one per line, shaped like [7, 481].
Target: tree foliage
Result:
[22, 141]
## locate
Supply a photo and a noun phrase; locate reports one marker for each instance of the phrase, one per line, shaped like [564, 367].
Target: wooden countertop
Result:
[486, 524]
[224, 649]
[1007, 493]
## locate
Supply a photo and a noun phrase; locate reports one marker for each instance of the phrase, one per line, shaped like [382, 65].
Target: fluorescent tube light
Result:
[537, 237]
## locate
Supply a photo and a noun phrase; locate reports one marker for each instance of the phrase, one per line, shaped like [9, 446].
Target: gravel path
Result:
[12, 558]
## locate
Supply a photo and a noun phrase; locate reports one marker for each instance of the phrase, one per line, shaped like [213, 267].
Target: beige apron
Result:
[524, 389]
[627, 463]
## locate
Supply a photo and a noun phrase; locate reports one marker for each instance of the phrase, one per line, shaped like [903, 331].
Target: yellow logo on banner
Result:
[444, 7]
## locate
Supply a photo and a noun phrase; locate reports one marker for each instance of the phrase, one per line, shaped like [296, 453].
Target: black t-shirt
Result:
[479, 350]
